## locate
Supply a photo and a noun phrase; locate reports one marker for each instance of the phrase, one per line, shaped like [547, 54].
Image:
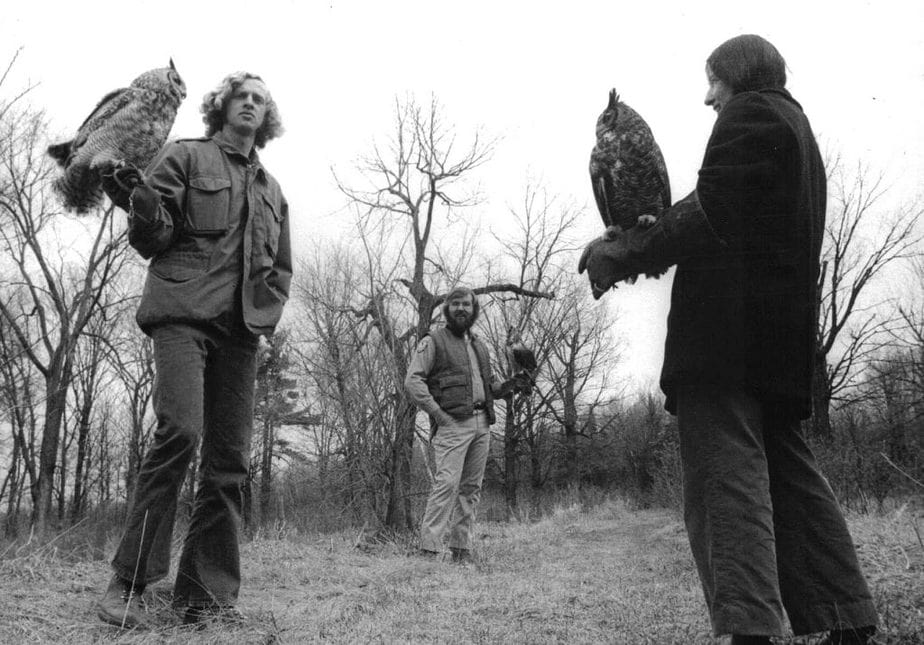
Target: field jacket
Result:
[215, 226]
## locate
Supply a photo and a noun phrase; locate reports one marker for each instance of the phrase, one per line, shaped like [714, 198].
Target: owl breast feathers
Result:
[128, 127]
[627, 170]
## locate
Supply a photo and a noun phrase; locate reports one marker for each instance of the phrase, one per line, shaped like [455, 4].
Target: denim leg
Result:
[728, 510]
[209, 571]
[463, 515]
[180, 353]
[820, 578]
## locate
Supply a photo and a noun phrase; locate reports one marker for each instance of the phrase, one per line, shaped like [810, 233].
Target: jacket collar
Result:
[253, 159]
[783, 93]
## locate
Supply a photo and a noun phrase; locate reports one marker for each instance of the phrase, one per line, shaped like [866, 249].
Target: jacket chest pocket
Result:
[208, 202]
[454, 390]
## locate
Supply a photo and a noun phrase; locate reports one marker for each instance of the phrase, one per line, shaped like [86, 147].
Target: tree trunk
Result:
[43, 492]
[821, 399]
[83, 436]
[399, 515]
[266, 472]
[511, 446]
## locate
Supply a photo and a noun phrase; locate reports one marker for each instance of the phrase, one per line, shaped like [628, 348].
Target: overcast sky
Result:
[535, 74]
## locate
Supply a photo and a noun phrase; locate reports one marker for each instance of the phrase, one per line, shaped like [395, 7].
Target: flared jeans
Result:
[204, 390]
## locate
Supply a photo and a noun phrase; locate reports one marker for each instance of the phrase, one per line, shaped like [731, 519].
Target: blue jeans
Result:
[204, 388]
[764, 526]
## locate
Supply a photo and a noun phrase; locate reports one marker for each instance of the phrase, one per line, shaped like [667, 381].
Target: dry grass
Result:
[607, 575]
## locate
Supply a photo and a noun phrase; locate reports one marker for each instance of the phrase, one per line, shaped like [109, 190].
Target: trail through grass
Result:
[609, 575]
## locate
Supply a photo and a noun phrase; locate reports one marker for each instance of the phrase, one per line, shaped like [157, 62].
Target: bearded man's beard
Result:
[459, 323]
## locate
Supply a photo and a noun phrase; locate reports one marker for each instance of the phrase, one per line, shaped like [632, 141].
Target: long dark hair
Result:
[748, 62]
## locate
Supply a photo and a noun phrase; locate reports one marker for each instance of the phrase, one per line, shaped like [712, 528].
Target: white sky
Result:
[535, 74]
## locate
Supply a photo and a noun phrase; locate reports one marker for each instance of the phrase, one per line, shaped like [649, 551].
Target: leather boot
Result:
[121, 605]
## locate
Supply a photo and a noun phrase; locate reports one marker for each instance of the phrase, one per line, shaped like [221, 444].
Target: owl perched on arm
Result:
[127, 128]
[627, 170]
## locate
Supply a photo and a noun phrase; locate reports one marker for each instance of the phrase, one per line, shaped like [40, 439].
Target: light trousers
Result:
[461, 452]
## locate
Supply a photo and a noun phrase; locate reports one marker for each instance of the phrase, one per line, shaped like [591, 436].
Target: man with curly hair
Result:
[215, 226]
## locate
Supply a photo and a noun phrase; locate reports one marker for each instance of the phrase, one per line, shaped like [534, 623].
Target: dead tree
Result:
[406, 190]
[60, 275]
[862, 238]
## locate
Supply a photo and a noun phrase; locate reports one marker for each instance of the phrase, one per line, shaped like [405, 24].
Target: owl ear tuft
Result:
[172, 66]
[613, 99]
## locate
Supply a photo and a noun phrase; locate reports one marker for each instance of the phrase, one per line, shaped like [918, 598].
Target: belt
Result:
[479, 405]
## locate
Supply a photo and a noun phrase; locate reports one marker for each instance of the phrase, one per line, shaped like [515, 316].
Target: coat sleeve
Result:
[157, 204]
[743, 183]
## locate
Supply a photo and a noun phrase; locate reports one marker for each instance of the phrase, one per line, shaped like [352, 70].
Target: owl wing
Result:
[104, 110]
[601, 178]
[662, 177]
[524, 358]
[643, 186]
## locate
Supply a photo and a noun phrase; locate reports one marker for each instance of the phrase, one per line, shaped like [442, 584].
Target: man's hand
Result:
[118, 182]
[607, 260]
[522, 382]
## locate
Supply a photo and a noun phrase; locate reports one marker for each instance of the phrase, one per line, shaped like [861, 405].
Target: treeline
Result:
[336, 442]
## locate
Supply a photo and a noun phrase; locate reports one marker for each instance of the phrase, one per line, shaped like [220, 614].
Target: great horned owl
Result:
[627, 170]
[127, 127]
[520, 358]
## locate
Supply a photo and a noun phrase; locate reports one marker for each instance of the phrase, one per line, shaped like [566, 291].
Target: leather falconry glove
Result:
[681, 231]
[118, 182]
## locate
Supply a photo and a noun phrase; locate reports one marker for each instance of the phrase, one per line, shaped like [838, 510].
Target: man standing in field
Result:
[450, 378]
[215, 225]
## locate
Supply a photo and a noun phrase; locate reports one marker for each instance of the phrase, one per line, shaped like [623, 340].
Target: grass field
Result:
[606, 575]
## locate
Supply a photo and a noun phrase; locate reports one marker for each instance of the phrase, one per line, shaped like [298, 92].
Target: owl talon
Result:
[612, 232]
[647, 221]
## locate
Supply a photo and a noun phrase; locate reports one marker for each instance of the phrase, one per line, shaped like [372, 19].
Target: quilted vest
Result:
[450, 379]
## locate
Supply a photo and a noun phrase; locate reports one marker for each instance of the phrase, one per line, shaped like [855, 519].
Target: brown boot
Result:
[121, 605]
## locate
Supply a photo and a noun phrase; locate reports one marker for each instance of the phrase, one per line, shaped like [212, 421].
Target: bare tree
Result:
[89, 379]
[862, 239]
[18, 398]
[408, 185]
[569, 335]
[61, 285]
[339, 360]
[130, 356]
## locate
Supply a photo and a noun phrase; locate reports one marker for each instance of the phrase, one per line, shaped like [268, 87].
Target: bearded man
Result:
[450, 378]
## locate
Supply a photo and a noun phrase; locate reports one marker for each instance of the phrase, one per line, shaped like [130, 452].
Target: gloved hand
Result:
[682, 231]
[522, 382]
[609, 260]
[119, 181]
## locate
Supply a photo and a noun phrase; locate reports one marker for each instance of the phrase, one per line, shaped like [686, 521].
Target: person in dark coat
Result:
[765, 529]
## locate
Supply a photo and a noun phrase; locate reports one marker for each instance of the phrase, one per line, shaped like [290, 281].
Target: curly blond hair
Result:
[214, 102]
